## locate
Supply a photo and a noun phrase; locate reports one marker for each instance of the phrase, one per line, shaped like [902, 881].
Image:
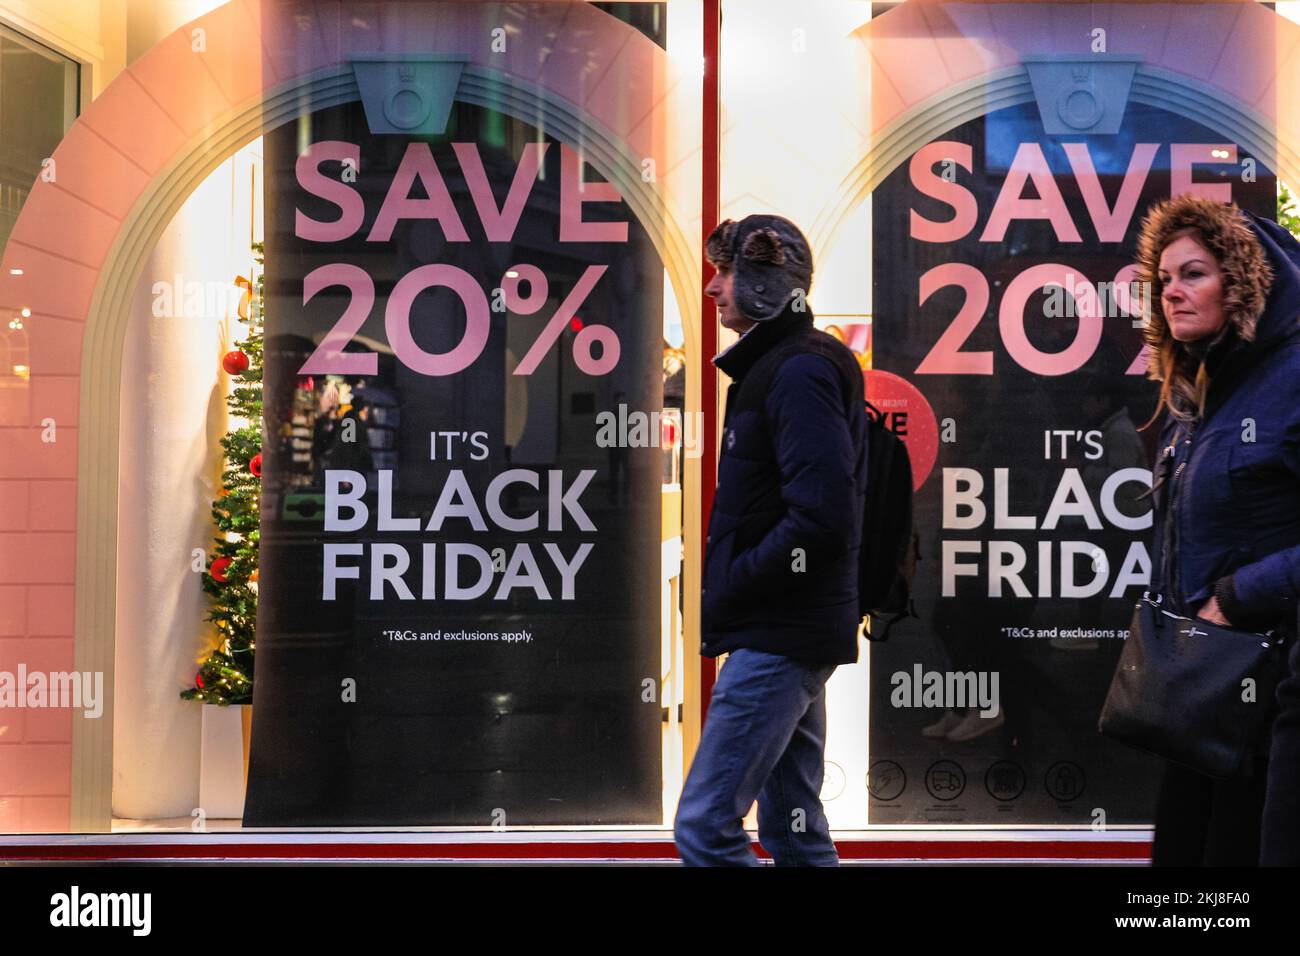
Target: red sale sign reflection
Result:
[904, 411]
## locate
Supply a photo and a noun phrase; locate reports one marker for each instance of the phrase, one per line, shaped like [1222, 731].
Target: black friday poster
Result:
[468, 641]
[1033, 542]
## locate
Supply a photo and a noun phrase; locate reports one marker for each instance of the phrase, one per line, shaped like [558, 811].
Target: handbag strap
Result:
[1157, 602]
[1164, 476]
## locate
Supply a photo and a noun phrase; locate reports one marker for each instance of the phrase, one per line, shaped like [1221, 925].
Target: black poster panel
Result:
[459, 607]
[1034, 539]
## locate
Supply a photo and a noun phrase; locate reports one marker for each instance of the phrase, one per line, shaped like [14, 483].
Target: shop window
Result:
[39, 92]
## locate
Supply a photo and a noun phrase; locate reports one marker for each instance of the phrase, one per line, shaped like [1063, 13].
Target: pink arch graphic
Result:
[924, 47]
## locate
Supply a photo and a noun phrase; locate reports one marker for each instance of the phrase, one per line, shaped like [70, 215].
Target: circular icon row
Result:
[945, 780]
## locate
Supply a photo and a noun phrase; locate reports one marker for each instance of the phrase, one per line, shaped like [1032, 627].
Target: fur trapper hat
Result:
[770, 260]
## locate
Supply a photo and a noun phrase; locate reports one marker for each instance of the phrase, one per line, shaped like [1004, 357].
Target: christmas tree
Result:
[226, 675]
[1288, 211]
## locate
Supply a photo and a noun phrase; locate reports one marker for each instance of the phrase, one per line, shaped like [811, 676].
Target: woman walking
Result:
[1224, 336]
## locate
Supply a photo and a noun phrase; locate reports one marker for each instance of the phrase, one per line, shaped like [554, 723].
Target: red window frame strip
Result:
[117, 849]
[710, 210]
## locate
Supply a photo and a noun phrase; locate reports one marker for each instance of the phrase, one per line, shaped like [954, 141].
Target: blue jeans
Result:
[765, 738]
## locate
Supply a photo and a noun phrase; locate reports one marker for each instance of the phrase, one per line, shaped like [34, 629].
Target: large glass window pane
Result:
[469, 237]
[973, 179]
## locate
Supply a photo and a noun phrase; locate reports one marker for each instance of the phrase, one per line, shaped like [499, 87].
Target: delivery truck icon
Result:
[945, 780]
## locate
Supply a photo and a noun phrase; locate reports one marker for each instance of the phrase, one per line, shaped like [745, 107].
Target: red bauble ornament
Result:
[198, 679]
[218, 570]
[235, 362]
[255, 465]
[668, 434]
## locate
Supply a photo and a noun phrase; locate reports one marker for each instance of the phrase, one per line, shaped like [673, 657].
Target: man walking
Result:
[780, 585]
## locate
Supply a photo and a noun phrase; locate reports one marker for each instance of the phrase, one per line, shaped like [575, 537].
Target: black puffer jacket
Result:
[1230, 498]
[781, 557]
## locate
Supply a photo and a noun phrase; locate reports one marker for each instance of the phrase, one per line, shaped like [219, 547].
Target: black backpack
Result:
[890, 545]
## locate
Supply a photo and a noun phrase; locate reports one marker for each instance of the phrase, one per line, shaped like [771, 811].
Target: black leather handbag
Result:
[1183, 691]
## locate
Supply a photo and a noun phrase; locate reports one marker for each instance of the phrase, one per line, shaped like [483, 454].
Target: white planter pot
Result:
[221, 765]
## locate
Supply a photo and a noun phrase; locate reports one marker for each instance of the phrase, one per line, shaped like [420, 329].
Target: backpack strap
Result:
[903, 615]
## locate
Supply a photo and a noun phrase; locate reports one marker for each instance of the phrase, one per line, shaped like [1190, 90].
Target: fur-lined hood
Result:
[1227, 233]
[1260, 262]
